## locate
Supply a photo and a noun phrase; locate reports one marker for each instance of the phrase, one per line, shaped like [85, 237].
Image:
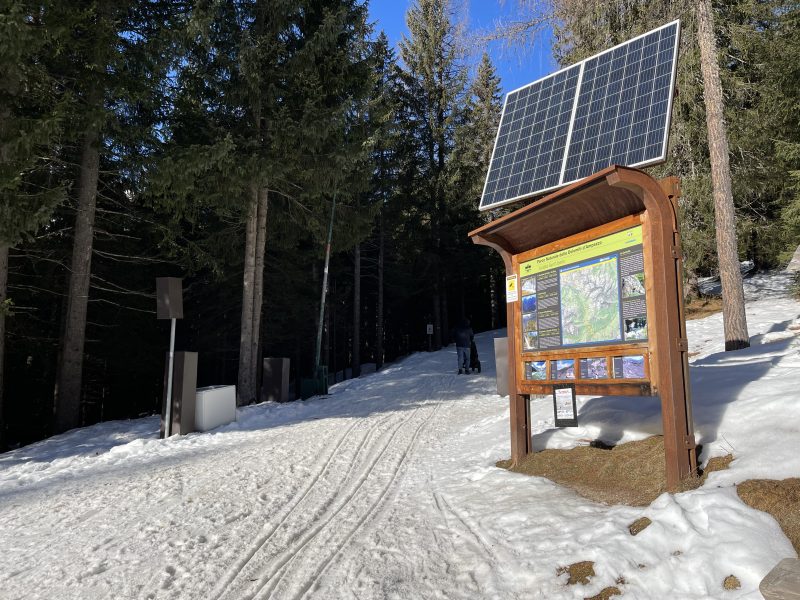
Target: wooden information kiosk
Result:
[599, 301]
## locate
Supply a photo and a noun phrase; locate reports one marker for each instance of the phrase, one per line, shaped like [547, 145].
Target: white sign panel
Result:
[512, 289]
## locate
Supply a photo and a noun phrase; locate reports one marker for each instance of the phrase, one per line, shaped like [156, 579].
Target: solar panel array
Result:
[612, 108]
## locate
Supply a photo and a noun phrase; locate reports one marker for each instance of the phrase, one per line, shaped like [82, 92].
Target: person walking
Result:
[463, 335]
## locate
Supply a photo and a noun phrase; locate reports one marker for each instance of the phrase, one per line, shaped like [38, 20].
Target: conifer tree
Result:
[112, 64]
[31, 120]
[434, 80]
[262, 114]
[474, 142]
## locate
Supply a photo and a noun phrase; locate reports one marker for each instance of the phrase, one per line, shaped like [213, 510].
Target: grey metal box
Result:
[501, 364]
[184, 393]
[169, 298]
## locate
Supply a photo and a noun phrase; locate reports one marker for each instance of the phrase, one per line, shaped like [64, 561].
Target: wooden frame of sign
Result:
[621, 222]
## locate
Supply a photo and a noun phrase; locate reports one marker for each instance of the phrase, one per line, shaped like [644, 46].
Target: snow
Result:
[387, 489]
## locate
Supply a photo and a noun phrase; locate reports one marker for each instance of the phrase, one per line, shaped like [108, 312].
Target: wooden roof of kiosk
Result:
[613, 193]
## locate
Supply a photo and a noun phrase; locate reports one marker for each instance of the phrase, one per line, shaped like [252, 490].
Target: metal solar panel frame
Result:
[650, 161]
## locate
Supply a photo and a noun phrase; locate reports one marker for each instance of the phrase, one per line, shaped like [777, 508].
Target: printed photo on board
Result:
[528, 285]
[563, 369]
[529, 322]
[529, 304]
[531, 340]
[536, 370]
[633, 285]
[636, 328]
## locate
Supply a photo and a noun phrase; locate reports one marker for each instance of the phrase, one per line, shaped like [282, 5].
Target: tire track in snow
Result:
[278, 575]
[240, 564]
[373, 509]
[250, 560]
[289, 553]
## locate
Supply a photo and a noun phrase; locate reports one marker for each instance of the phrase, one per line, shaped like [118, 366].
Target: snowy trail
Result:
[387, 489]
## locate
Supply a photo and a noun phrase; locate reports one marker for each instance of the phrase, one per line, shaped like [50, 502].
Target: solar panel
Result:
[611, 108]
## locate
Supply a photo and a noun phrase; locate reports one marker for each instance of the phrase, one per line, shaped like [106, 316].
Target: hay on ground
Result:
[579, 572]
[631, 473]
[702, 307]
[781, 499]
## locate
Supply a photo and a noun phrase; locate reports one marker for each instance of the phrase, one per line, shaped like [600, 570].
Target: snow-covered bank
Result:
[388, 489]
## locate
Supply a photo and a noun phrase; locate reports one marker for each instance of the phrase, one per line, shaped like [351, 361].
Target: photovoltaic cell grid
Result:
[529, 150]
[612, 108]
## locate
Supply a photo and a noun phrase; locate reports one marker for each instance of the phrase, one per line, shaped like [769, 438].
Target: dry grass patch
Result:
[781, 499]
[631, 473]
[579, 572]
[639, 525]
[731, 582]
[702, 307]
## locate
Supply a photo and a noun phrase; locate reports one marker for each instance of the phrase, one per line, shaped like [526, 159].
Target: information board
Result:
[591, 294]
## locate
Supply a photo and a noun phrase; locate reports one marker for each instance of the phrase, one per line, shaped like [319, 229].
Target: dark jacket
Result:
[463, 335]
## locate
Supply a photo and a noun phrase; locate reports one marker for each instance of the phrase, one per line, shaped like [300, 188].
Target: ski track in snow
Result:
[387, 489]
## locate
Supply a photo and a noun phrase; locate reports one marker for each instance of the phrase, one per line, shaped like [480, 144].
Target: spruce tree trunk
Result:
[445, 317]
[357, 311]
[70, 370]
[437, 318]
[244, 389]
[3, 296]
[258, 288]
[733, 309]
[379, 317]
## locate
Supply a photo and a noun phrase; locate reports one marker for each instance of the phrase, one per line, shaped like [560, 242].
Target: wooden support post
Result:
[670, 341]
[518, 405]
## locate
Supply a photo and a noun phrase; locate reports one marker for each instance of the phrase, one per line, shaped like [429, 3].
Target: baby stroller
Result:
[474, 359]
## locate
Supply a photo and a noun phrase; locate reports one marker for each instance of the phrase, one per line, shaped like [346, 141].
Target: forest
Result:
[216, 141]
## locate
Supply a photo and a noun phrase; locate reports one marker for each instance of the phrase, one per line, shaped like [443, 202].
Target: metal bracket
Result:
[689, 442]
[676, 253]
[682, 344]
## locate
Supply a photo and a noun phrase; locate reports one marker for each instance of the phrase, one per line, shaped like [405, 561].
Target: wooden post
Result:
[671, 345]
[518, 405]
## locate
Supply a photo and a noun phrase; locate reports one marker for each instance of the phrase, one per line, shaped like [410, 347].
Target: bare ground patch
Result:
[781, 499]
[702, 307]
[631, 473]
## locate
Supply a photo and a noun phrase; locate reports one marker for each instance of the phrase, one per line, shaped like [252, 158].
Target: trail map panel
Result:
[588, 295]
[590, 302]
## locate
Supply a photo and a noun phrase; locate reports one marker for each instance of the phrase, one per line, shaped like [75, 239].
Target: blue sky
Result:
[514, 68]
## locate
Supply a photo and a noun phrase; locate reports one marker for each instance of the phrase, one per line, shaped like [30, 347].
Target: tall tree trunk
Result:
[445, 316]
[357, 311]
[733, 309]
[245, 389]
[258, 287]
[68, 382]
[379, 350]
[437, 318]
[3, 296]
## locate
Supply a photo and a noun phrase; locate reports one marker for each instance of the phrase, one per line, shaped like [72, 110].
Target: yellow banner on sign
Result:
[600, 246]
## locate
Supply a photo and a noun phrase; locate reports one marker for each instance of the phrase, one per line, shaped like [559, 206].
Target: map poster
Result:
[564, 405]
[587, 295]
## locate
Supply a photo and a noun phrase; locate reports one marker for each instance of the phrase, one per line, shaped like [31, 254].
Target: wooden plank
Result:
[595, 388]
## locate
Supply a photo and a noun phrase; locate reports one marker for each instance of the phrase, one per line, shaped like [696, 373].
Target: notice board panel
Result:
[582, 312]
